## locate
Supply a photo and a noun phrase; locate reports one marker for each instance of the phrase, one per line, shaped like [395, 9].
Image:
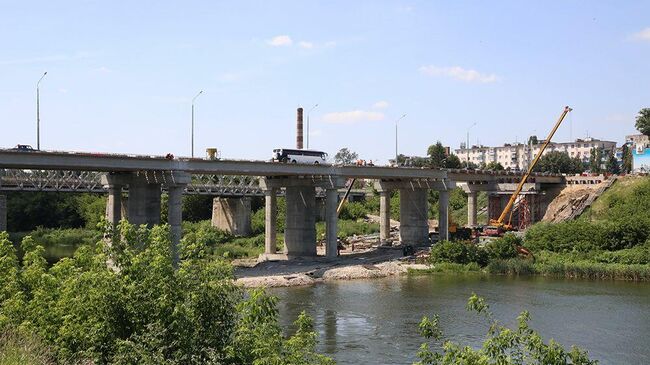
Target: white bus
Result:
[299, 156]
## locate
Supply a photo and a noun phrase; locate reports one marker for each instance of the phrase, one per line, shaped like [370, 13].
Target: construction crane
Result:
[499, 223]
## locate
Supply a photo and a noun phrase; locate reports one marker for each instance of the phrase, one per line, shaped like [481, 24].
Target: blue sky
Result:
[121, 74]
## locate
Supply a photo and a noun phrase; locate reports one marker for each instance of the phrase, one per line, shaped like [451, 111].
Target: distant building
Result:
[640, 146]
[518, 156]
[638, 139]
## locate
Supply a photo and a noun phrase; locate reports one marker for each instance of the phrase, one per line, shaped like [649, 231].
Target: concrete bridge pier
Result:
[413, 212]
[300, 224]
[414, 222]
[270, 221]
[232, 215]
[384, 216]
[472, 210]
[3, 213]
[300, 228]
[175, 185]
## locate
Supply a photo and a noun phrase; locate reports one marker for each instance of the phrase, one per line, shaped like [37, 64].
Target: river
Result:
[375, 321]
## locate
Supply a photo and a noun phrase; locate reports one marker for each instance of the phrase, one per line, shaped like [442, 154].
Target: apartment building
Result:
[518, 155]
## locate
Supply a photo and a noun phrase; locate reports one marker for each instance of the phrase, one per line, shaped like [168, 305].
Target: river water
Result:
[375, 321]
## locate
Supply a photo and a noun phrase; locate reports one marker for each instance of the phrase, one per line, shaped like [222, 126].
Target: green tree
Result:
[643, 121]
[494, 166]
[452, 162]
[505, 346]
[141, 309]
[626, 166]
[612, 164]
[533, 140]
[345, 157]
[595, 159]
[437, 155]
[558, 162]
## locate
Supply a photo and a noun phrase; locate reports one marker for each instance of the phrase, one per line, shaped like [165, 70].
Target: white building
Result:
[519, 155]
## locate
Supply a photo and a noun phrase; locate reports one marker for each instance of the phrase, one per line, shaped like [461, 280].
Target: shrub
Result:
[143, 310]
[504, 247]
[459, 252]
[353, 211]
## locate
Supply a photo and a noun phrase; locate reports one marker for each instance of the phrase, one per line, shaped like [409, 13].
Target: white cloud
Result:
[316, 133]
[383, 104]
[458, 73]
[281, 40]
[330, 44]
[63, 91]
[643, 35]
[103, 69]
[305, 44]
[354, 116]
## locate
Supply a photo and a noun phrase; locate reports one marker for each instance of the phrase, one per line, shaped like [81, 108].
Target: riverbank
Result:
[557, 269]
[373, 263]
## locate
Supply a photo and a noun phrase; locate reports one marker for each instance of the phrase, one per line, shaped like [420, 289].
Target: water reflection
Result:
[375, 321]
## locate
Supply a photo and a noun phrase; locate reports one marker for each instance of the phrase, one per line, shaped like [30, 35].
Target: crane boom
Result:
[511, 202]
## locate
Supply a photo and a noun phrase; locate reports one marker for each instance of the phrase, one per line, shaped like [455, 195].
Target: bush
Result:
[584, 236]
[504, 247]
[353, 211]
[459, 252]
[143, 310]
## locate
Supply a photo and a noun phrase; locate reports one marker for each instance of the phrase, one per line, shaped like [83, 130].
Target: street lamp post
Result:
[397, 120]
[38, 112]
[312, 108]
[194, 98]
[467, 145]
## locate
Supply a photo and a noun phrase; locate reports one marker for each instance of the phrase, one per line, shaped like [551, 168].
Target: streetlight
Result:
[467, 146]
[398, 119]
[312, 108]
[38, 112]
[194, 98]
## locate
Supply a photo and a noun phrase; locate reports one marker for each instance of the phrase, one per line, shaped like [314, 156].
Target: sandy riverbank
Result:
[373, 263]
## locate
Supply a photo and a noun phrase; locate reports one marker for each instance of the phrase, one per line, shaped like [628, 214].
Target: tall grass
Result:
[19, 349]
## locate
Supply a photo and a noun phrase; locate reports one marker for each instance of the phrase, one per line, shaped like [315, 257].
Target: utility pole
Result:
[38, 112]
[398, 119]
[312, 108]
[194, 98]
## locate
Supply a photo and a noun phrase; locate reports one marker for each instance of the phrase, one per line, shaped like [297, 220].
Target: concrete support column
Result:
[443, 214]
[114, 204]
[331, 219]
[300, 229]
[232, 215]
[176, 184]
[270, 221]
[471, 209]
[3, 213]
[414, 223]
[175, 217]
[384, 216]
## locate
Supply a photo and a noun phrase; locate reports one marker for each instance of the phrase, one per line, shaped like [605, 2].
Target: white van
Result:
[299, 156]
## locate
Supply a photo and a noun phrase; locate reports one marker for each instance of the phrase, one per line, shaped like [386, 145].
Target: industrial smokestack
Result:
[299, 129]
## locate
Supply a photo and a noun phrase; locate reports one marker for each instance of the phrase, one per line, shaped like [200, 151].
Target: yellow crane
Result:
[499, 223]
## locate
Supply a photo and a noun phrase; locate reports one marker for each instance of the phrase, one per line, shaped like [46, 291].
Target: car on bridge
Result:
[23, 148]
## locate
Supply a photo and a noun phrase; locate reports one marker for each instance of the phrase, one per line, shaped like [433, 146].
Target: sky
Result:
[121, 75]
